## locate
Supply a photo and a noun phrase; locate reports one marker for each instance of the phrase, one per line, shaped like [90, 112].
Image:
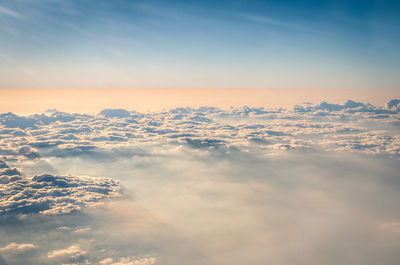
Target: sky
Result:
[324, 45]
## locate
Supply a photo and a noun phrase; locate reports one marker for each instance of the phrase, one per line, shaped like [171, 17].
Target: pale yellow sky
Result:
[29, 101]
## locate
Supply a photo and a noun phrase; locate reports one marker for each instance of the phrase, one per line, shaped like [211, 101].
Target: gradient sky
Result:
[200, 44]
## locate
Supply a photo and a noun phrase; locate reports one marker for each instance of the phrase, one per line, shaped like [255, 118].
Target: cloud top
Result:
[73, 251]
[15, 248]
[52, 194]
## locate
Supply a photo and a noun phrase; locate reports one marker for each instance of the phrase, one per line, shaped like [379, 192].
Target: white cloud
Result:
[115, 113]
[14, 248]
[132, 261]
[73, 251]
[9, 12]
[106, 261]
[327, 126]
[201, 183]
[52, 194]
[271, 21]
[82, 230]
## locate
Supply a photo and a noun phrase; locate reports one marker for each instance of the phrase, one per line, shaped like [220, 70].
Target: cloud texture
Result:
[51, 194]
[353, 126]
[316, 184]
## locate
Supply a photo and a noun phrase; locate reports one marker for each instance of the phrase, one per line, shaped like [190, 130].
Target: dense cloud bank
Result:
[50, 194]
[316, 184]
[353, 126]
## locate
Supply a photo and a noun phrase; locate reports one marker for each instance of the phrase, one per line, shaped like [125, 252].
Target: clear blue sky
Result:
[288, 44]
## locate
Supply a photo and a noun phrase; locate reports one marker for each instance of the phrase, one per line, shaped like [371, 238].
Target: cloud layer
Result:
[353, 126]
[316, 184]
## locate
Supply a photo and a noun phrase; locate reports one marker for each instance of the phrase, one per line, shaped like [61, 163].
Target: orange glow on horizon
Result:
[28, 101]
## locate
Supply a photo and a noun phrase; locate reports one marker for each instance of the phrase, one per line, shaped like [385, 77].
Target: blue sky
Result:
[290, 44]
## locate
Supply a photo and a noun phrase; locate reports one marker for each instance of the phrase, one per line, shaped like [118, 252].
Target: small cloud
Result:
[10, 120]
[115, 113]
[9, 12]
[391, 227]
[73, 251]
[393, 104]
[270, 21]
[82, 230]
[14, 248]
[64, 228]
[106, 261]
[130, 261]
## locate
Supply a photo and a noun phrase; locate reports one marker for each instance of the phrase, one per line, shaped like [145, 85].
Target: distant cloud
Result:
[274, 173]
[120, 133]
[11, 120]
[9, 12]
[392, 227]
[58, 134]
[394, 104]
[14, 248]
[73, 251]
[106, 261]
[118, 113]
[270, 21]
[130, 261]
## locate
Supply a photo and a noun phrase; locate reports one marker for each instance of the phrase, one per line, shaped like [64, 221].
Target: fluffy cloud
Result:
[117, 113]
[325, 125]
[394, 104]
[204, 185]
[11, 120]
[130, 261]
[14, 248]
[73, 252]
[51, 194]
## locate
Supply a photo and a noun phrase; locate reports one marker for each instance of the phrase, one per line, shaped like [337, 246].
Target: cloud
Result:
[9, 12]
[73, 252]
[15, 248]
[3, 164]
[130, 261]
[28, 152]
[115, 113]
[391, 227]
[6, 171]
[350, 107]
[343, 127]
[205, 186]
[51, 194]
[82, 230]
[204, 143]
[10, 120]
[106, 261]
[271, 21]
[394, 104]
